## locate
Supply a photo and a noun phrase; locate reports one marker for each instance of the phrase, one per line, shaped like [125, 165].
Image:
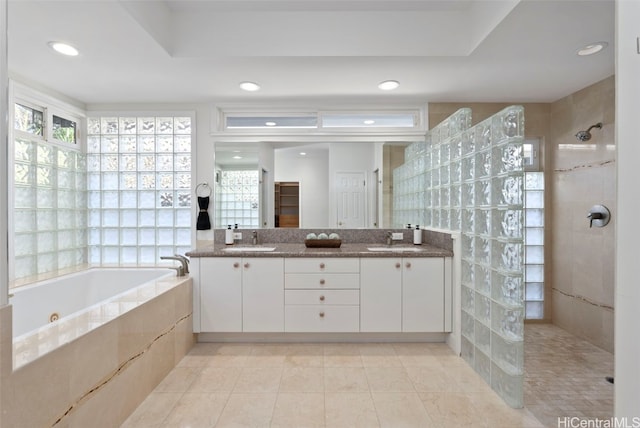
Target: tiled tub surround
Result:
[99, 377]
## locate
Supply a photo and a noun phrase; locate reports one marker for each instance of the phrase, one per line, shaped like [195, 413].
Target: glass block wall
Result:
[139, 188]
[471, 179]
[534, 245]
[50, 208]
[237, 199]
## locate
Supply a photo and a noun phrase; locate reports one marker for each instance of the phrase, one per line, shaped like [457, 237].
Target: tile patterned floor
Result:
[565, 376]
[325, 385]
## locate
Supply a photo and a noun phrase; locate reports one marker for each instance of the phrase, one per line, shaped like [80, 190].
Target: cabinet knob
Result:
[321, 314]
[236, 265]
[408, 265]
[398, 265]
[321, 265]
[322, 282]
[322, 298]
[246, 265]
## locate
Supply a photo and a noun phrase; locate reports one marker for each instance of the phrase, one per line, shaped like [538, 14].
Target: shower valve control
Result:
[599, 216]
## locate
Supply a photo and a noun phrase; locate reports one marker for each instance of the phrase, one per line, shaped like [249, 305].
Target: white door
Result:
[220, 294]
[263, 294]
[423, 294]
[350, 199]
[381, 295]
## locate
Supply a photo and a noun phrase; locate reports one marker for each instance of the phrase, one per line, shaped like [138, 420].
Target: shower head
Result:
[586, 135]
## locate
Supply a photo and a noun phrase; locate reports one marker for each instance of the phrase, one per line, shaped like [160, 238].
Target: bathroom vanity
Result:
[288, 288]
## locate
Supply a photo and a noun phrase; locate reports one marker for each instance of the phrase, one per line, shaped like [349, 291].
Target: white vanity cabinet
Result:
[241, 294]
[220, 294]
[322, 295]
[403, 294]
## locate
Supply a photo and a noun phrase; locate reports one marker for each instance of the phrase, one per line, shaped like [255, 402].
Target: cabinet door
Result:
[220, 294]
[380, 294]
[263, 294]
[423, 294]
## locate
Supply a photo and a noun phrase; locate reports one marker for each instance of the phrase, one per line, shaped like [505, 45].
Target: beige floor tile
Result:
[302, 379]
[401, 409]
[350, 409]
[305, 355]
[215, 379]
[153, 410]
[428, 379]
[379, 355]
[342, 355]
[299, 410]
[248, 410]
[389, 379]
[267, 356]
[419, 360]
[197, 410]
[450, 409]
[227, 361]
[179, 379]
[257, 379]
[345, 379]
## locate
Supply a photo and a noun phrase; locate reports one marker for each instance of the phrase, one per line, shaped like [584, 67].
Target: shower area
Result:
[568, 351]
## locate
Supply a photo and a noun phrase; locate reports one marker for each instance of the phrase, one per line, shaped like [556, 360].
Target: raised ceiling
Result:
[311, 51]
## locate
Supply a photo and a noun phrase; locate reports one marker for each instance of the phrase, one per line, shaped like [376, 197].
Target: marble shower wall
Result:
[583, 174]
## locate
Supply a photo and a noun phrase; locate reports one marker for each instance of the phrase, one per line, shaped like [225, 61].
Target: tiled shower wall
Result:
[584, 174]
[471, 179]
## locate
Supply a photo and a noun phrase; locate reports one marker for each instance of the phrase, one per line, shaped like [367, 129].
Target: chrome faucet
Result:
[389, 239]
[181, 270]
[254, 237]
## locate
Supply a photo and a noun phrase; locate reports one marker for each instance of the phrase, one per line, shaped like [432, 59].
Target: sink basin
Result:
[248, 249]
[396, 249]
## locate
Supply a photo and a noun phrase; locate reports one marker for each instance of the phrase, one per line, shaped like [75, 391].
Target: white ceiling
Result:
[311, 51]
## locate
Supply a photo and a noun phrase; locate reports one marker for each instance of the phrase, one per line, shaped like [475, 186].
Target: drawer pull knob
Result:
[322, 298]
[322, 282]
[321, 265]
[321, 314]
[246, 265]
[236, 264]
[397, 265]
[408, 265]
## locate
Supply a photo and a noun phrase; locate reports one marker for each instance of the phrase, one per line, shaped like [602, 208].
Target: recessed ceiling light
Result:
[369, 122]
[249, 86]
[237, 157]
[303, 153]
[592, 48]
[389, 85]
[63, 48]
[270, 123]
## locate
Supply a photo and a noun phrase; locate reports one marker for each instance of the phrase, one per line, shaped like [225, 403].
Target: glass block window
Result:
[29, 119]
[50, 208]
[237, 199]
[139, 188]
[534, 245]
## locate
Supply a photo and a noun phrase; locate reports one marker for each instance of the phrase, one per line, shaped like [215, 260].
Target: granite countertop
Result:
[299, 250]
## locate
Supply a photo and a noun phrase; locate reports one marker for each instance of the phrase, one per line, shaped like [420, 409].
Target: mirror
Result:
[339, 184]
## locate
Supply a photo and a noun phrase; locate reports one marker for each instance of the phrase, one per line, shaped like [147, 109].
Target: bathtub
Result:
[92, 345]
[37, 305]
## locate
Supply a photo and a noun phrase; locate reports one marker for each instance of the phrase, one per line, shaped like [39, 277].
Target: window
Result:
[237, 199]
[63, 129]
[29, 119]
[139, 188]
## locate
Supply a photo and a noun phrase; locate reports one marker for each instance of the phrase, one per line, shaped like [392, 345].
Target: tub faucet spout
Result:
[180, 270]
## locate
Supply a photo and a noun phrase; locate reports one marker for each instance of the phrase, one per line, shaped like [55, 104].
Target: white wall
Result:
[627, 299]
[312, 171]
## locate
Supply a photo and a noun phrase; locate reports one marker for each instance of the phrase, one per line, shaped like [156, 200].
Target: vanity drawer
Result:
[321, 319]
[321, 265]
[322, 281]
[322, 297]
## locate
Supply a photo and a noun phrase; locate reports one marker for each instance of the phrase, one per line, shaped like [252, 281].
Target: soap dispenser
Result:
[417, 235]
[228, 235]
